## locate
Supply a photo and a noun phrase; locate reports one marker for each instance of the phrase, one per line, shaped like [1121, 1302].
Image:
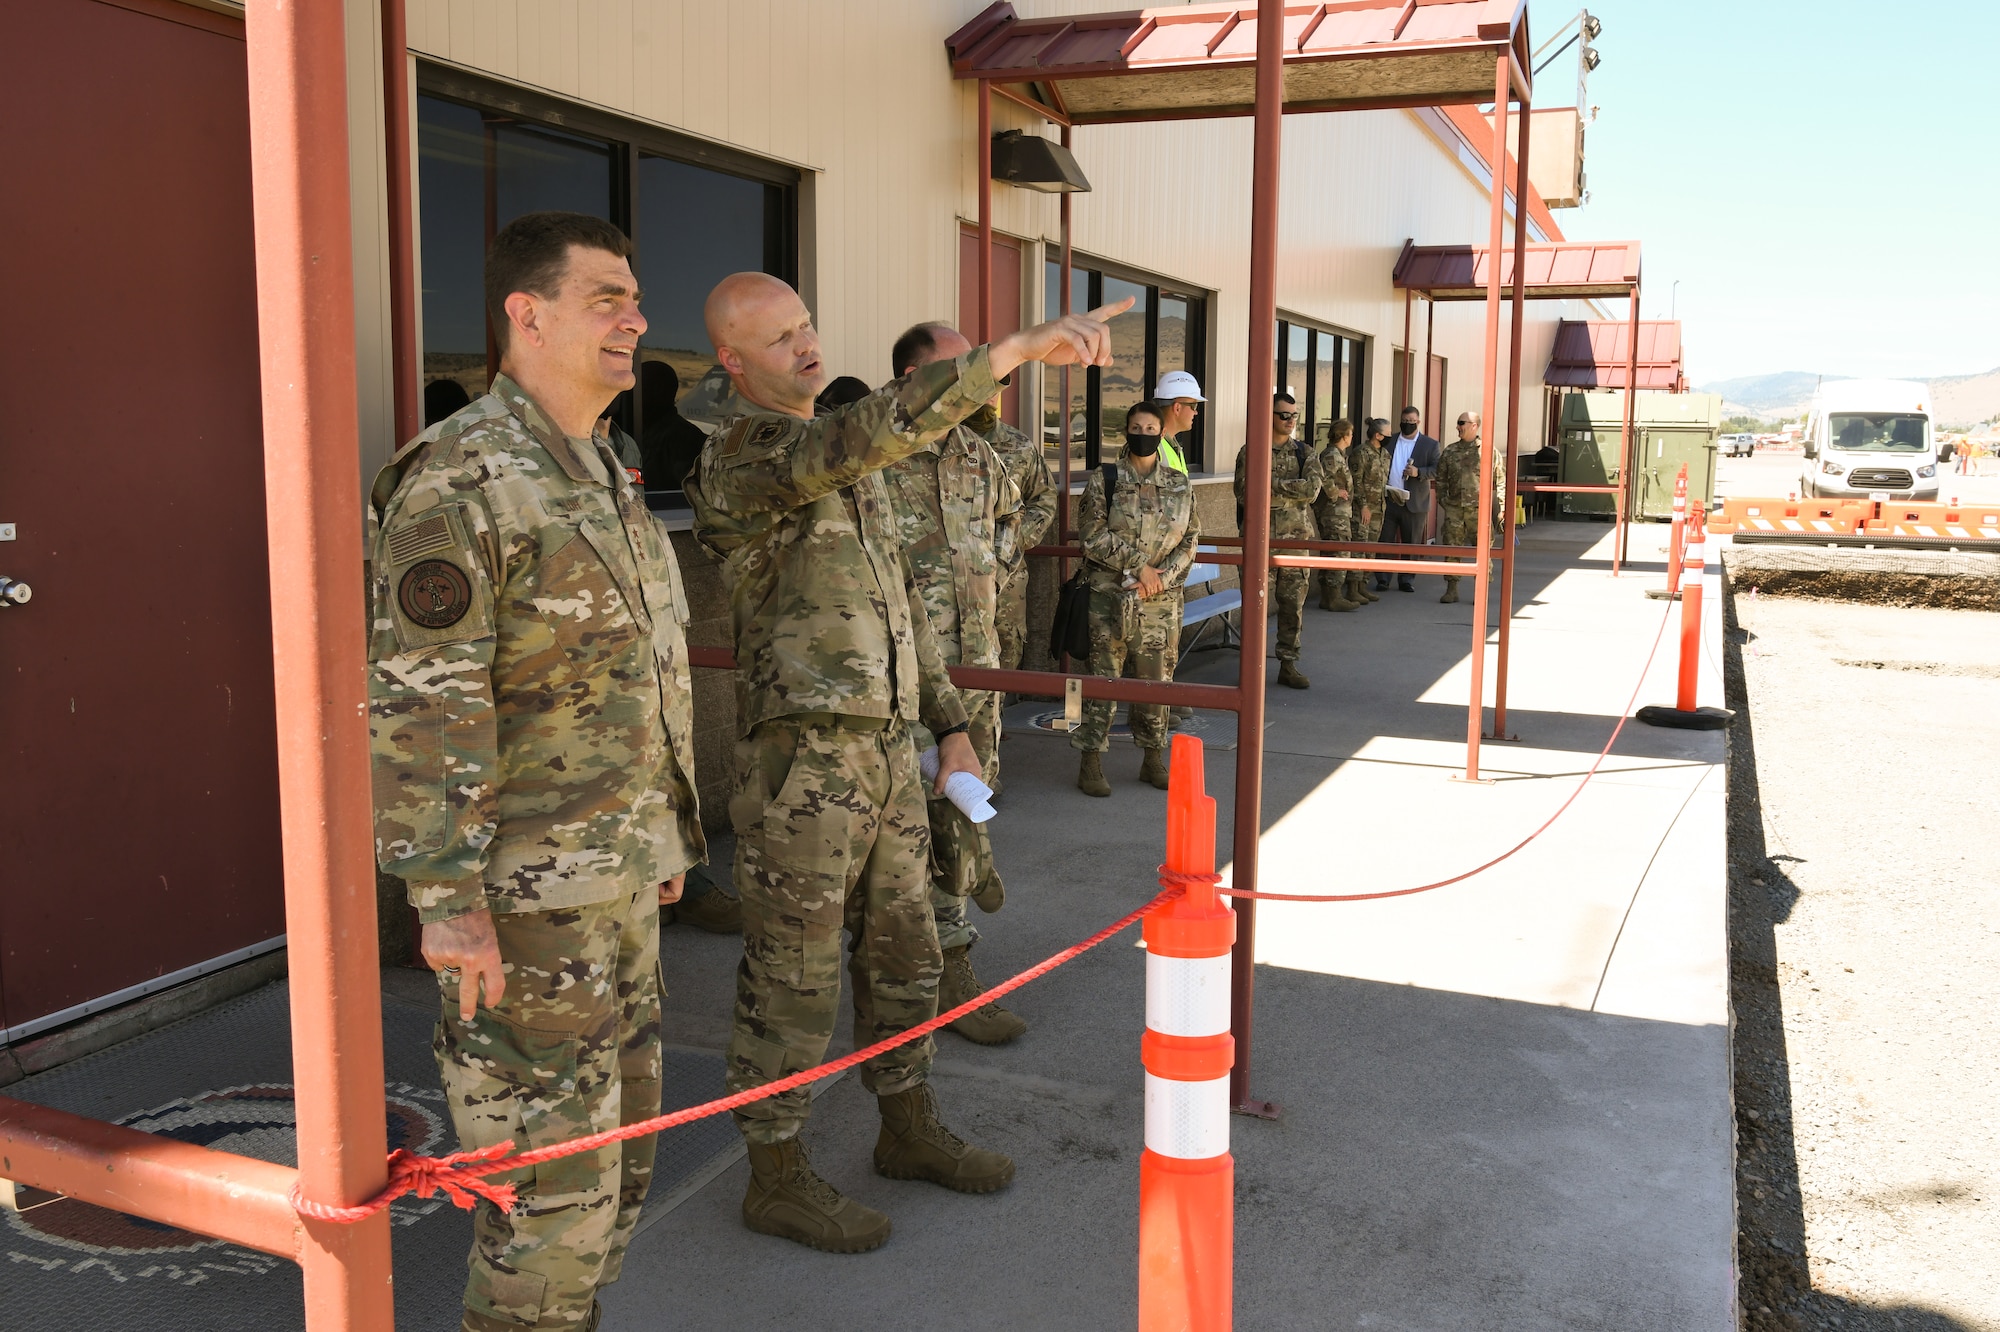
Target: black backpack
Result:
[1069, 634]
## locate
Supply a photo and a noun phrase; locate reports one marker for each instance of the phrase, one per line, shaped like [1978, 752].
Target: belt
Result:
[845, 721]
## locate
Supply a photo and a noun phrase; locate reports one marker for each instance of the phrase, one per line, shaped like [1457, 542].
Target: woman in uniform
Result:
[1138, 542]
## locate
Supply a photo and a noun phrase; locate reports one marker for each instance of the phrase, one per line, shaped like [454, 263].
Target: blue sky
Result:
[1822, 178]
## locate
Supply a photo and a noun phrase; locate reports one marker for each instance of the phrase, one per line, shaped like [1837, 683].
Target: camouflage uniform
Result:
[834, 669]
[1296, 481]
[530, 724]
[1028, 467]
[1458, 498]
[957, 518]
[1150, 521]
[1369, 467]
[1332, 514]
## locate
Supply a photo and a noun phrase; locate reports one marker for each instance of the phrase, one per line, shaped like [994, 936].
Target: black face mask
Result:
[1409, 431]
[1142, 446]
[982, 420]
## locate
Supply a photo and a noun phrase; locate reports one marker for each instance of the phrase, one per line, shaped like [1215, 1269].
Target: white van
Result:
[1870, 437]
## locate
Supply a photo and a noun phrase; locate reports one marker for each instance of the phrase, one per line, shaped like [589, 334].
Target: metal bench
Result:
[1211, 607]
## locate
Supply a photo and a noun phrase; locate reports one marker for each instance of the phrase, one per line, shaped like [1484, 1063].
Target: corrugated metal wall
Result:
[859, 93]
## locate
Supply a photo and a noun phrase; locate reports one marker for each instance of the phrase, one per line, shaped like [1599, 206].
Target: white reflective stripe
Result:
[1187, 996]
[1694, 554]
[1187, 1120]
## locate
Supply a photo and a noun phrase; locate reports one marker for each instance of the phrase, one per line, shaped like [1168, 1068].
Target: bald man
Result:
[834, 669]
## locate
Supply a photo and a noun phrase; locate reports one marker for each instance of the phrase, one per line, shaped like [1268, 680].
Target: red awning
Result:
[1200, 60]
[1561, 270]
[1591, 354]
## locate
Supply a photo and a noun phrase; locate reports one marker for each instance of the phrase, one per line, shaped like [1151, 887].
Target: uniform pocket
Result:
[584, 605]
[519, 1083]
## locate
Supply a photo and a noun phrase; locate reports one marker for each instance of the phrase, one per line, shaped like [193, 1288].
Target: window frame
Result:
[1317, 329]
[1087, 293]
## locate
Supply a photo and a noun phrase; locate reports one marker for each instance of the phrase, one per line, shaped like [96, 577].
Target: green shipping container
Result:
[1673, 428]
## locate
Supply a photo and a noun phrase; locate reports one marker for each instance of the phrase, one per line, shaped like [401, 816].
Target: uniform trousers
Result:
[1332, 516]
[1143, 633]
[831, 835]
[572, 1048]
[1458, 527]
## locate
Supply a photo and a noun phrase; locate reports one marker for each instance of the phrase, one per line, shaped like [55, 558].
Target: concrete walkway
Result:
[1506, 1103]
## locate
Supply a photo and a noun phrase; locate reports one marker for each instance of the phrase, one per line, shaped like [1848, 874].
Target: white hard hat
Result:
[1178, 384]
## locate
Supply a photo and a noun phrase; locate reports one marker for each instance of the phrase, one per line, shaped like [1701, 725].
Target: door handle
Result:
[14, 592]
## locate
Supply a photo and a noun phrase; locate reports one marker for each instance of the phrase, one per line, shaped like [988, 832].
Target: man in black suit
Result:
[1414, 462]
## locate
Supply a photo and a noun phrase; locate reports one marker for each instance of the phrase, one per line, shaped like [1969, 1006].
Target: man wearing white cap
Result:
[1179, 396]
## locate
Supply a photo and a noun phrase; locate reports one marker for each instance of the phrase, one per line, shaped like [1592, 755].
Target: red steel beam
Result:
[1063, 272]
[1512, 456]
[1264, 179]
[1475, 713]
[405, 357]
[234, 1198]
[985, 215]
[312, 488]
[1629, 441]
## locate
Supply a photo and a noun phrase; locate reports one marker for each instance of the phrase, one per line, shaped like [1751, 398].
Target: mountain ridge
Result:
[1962, 400]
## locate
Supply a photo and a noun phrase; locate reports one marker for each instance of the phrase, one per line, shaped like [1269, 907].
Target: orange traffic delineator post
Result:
[1685, 714]
[1187, 1178]
[1679, 535]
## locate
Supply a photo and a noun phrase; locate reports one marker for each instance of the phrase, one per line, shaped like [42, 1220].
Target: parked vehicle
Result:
[1870, 437]
[1738, 446]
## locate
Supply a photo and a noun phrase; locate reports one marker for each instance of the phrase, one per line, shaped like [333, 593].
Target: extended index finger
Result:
[1104, 314]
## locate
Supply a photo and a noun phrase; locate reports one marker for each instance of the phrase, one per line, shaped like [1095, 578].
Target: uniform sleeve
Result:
[1174, 568]
[771, 464]
[938, 705]
[1009, 550]
[1100, 544]
[1038, 495]
[1305, 487]
[433, 742]
[1242, 482]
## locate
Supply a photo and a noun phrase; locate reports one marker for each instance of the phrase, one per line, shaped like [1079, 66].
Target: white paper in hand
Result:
[972, 796]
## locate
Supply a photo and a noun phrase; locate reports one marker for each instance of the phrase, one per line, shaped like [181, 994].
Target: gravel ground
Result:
[1865, 946]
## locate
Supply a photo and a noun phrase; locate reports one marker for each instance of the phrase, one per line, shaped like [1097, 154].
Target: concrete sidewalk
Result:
[1506, 1103]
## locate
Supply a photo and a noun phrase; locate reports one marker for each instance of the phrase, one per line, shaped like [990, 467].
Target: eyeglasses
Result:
[1285, 416]
[1188, 403]
[1463, 422]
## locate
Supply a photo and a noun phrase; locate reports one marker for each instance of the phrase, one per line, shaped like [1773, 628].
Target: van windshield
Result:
[1887, 432]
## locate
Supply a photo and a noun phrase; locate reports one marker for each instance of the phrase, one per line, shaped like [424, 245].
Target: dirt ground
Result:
[1865, 963]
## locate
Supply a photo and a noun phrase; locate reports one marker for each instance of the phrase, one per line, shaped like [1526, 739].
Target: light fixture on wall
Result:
[1035, 163]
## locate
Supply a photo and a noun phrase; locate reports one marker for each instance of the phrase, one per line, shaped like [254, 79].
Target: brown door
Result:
[136, 738]
[1006, 299]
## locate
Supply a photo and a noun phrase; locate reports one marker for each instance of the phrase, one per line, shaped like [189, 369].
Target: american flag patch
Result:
[431, 535]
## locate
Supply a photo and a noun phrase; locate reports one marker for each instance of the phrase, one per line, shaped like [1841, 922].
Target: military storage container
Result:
[1673, 428]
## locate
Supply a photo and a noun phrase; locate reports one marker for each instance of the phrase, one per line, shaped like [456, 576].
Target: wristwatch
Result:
[959, 729]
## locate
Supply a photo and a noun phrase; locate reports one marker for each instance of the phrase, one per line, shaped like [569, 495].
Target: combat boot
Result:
[787, 1198]
[1450, 591]
[1090, 775]
[1153, 770]
[1333, 596]
[1360, 586]
[915, 1144]
[989, 1024]
[989, 894]
[714, 911]
[1291, 677]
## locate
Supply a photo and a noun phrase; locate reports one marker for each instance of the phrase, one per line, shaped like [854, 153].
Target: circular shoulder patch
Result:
[435, 594]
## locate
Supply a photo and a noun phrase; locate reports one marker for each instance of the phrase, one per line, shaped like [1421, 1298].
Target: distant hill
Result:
[1962, 400]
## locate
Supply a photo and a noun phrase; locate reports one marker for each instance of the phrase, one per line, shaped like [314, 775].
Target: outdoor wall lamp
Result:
[1035, 163]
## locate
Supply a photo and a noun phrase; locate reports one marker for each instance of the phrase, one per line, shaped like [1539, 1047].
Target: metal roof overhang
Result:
[1559, 270]
[1592, 354]
[1198, 61]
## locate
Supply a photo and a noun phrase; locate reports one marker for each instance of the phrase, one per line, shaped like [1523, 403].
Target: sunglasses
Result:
[1285, 416]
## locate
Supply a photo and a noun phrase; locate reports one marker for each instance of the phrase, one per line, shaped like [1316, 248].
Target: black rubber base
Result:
[1701, 719]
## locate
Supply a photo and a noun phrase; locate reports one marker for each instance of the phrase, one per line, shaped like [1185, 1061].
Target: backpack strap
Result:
[1110, 471]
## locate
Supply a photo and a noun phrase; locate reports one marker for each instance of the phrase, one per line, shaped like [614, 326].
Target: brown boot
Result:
[1333, 596]
[787, 1198]
[1450, 591]
[915, 1144]
[1154, 769]
[1090, 775]
[1291, 677]
[989, 1024]
[714, 911]
[1360, 585]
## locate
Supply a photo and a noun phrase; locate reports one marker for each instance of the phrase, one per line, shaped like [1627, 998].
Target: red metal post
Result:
[312, 466]
[1063, 528]
[1629, 439]
[985, 215]
[1430, 341]
[1475, 715]
[1409, 354]
[405, 357]
[1510, 459]
[1256, 533]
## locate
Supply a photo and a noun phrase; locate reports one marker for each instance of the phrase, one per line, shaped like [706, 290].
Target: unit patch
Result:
[435, 594]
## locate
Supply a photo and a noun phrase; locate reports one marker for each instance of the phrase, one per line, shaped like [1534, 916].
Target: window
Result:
[696, 213]
[1325, 371]
[1164, 330]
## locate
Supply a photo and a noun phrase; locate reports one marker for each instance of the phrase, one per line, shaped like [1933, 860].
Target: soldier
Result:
[532, 744]
[1368, 463]
[1458, 493]
[1332, 512]
[1028, 467]
[1296, 481]
[958, 518]
[833, 670]
[1138, 542]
